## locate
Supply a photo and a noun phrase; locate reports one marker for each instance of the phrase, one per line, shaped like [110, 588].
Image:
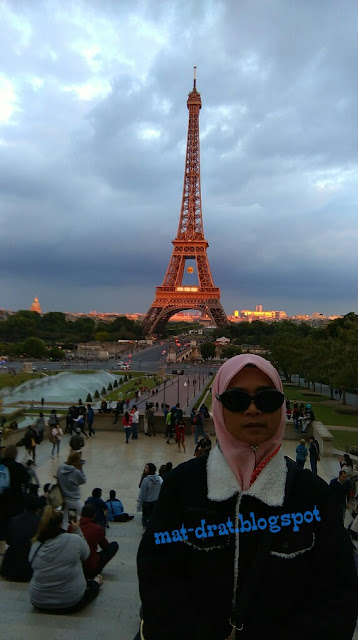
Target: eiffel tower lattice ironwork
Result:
[190, 244]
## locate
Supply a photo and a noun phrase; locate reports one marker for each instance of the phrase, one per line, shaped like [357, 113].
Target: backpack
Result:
[4, 478]
[168, 419]
[196, 419]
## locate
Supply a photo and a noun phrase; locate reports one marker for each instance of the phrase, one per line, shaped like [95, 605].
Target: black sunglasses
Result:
[236, 400]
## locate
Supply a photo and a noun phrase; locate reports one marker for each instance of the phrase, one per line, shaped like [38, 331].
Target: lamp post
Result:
[178, 391]
[164, 382]
[187, 391]
[194, 385]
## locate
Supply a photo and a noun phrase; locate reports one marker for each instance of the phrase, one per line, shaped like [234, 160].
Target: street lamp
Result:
[187, 390]
[164, 382]
[194, 385]
[178, 391]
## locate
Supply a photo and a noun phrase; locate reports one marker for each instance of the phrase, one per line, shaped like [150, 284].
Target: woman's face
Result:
[252, 426]
[146, 469]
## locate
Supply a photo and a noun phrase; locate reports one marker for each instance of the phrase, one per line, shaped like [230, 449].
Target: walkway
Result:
[114, 616]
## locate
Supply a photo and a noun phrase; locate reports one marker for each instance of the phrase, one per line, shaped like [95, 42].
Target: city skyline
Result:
[93, 124]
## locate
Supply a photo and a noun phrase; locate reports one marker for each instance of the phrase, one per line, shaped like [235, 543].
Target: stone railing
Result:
[324, 438]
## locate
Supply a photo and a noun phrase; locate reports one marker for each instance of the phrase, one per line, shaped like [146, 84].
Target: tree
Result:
[207, 350]
[230, 351]
[103, 392]
[110, 388]
[115, 383]
[103, 336]
[56, 354]
[96, 394]
[89, 398]
[34, 347]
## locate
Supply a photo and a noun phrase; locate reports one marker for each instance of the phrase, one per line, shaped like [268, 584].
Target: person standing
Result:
[314, 454]
[40, 427]
[234, 546]
[135, 422]
[340, 489]
[56, 436]
[127, 424]
[150, 419]
[80, 422]
[90, 420]
[70, 476]
[301, 454]
[199, 422]
[30, 438]
[149, 491]
[180, 434]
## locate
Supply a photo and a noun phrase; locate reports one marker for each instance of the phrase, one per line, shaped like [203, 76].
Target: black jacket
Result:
[12, 500]
[307, 587]
[21, 529]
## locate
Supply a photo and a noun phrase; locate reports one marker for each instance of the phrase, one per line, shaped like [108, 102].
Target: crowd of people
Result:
[61, 550]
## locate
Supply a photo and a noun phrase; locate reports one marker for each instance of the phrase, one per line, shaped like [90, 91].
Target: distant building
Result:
[36, 306]
[258, 314]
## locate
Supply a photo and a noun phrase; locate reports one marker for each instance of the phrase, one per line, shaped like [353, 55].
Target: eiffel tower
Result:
[189, 245]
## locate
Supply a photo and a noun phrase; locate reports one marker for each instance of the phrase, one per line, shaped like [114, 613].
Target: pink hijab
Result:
[242, 460]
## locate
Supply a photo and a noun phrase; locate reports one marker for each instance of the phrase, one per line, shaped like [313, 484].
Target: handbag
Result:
[55, 498]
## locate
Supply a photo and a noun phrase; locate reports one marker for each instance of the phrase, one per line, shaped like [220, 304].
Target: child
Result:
[180, 434]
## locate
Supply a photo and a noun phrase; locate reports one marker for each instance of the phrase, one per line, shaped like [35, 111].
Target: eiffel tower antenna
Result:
[189, 245]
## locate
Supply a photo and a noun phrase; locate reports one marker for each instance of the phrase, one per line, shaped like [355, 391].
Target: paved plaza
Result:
[110, 464]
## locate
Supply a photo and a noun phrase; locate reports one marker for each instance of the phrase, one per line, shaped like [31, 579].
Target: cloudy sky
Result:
[93, 125]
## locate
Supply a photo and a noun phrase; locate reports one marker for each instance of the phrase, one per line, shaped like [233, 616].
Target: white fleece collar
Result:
[269, 486]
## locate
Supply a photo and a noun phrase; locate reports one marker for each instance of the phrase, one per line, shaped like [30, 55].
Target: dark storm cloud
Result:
[93, 125]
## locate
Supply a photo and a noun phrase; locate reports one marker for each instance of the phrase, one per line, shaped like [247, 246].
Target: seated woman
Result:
[237, 538]
[115, 509]
[58, 584]
[15, 565]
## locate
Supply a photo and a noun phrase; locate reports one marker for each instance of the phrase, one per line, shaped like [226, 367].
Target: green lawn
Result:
[11, 380]
[343, 438]
[128, 388]
[327, 413]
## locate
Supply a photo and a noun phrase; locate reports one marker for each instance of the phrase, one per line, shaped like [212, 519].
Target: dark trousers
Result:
[90, 428]
[90, 594]
[300, 463]
[104, 557]
[313, 462]
[146, 511]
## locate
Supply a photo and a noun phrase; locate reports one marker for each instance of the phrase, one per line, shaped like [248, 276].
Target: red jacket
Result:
[95, 537]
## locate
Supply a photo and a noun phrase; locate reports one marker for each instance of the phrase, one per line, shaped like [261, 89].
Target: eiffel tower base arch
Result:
[160, 313]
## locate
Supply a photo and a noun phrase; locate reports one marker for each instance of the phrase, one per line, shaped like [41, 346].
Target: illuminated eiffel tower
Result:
[189, 245]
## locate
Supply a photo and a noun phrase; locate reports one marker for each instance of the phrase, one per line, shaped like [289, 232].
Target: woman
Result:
[56, 436]
[58, 584]
[240, 536]
[346, 463]
[301, 454]
[70, 476]
[127, 424]
[180, 434]
[149, 492]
